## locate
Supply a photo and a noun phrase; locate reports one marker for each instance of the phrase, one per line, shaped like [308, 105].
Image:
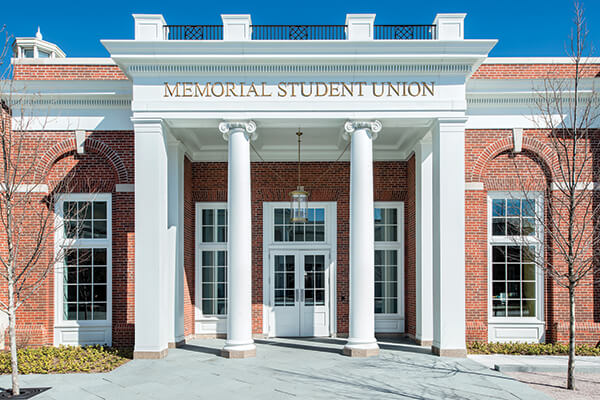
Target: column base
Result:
[424, 342]
[361, 350]
[458, 353]
[173, 345]
[243, 351]
[150, 355]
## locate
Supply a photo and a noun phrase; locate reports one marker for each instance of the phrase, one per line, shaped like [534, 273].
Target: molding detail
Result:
[300, 68]
[373, 127]
[28, 188]
[124, 188]
[474, 186]
[249, 128]
[74, 102]
[580, 186]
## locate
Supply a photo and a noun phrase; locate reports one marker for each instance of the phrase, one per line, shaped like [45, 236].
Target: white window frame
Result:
[208, 324]
[509, 328]
[81, 332]
[392, 323]
[270, 246]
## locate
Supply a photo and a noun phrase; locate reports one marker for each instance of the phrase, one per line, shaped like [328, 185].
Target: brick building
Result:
[410, 136]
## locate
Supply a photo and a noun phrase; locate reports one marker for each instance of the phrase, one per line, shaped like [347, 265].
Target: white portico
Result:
[391, 98]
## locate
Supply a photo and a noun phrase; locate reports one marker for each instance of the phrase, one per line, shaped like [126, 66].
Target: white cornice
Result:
[63, 61]
[537, 60]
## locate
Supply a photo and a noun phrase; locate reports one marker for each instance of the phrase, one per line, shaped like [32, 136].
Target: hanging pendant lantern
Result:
[299, 202]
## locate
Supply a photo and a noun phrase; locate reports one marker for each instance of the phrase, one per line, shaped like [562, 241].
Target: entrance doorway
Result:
[300, 293]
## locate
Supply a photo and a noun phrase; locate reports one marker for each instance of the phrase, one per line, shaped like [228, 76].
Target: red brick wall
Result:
[67, 72]
[489, 160]
[189, 240]
[532, 71]
[273, 182]
[410, 248]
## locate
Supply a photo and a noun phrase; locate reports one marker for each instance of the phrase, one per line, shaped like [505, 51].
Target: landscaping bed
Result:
[531, 349]
[66, 359]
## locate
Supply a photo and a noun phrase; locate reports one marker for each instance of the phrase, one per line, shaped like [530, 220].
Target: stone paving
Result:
[288, 369]
[518, 363]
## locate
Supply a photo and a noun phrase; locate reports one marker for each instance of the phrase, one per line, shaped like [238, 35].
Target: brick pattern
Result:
[209, 183]
[410, 249]
[189, 243]
[489, 159]
[43, 72]
[533, 71]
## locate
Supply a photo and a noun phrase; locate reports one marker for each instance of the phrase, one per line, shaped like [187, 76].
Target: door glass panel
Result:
[285, 280]
[314, 280]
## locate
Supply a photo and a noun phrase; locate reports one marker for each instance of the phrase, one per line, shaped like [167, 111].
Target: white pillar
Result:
[239, 342]
[361, 339]
[174, 310]
[151, 329]
[424, 239]
[449, 238]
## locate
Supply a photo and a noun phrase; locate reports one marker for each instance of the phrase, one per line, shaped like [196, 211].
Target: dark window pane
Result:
[279, 298]
[289, 263]
[392, 216]
[498, 208]
[499, 290]
[391, 306]
[320, 233]
[70, 312]
[85, 293]
[379, 233]
[513, 226]
[208, 290]
[529, 254]
[85, 311]
[289, 296]
[528, 226]
[378, 273]
[279, 233]
[513, 207]
[299, 233]
[378, 289]
[498, 226]
[84, 210]
[528, 272]
[70, 210]
[71, 275]
[392, 273]
[222, 274]
[279, 281]
[208, 274]
[514, 308]
[99, 256]
[207, 307]
[221, 307]
[309, 233]
[498, 272]
[70, 293]
[222, 217]
[207, 234]
[99, 311]
[99, 274]
[378, 306]
[221, 234]
[71, 257]
[320, 280]
[85, 231]
[529, 308]
[208, 217]
[99, 229]
[71, 229]
[85, 257]
[529, 290]
[279, 216]
[514, 253]
[85, 275]
[207, 258]
[513, 272]
[289, 281]
[498, 254]
[499, 308]
[221, 290]
[279, 263]
[514, 290]
[379, 257]
[99, 210]
[99, 293]
[391, 234]
[221, 258]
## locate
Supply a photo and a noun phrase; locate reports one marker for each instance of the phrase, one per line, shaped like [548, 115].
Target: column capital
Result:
[373, 127]
[249, 128]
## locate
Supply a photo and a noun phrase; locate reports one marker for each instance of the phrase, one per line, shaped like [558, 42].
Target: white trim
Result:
[386, 323]
[270, 246]
[27, 187]
[474, 186]
[125, 188]
[206, 324]
[64, 61]
[518, 329]
[537, 60]
[578, 186]
[92, 331]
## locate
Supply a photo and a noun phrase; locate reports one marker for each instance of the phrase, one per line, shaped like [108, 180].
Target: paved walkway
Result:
[288, 369]
[516, 363]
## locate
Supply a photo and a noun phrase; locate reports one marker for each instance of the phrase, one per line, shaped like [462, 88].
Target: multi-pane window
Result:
[311, 231]
[85, 219]
[314, 280]
[213, 259]
[387, 247]
[85, 284]
[285, 280]
[86, 245]
[514, 248]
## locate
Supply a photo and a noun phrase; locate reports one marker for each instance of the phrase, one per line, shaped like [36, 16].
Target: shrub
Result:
[546, 349]
[66, 359]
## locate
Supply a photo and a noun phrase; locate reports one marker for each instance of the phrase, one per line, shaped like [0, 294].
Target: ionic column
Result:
[361, 340]
[449, 238]
[239, 342]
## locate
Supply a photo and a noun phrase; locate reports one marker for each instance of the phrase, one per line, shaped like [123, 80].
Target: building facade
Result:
[187, 134]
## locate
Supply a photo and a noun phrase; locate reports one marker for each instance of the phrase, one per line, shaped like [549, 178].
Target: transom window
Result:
[387, 248]
[85, 219]
[515, 246]
[213, 258]
[311, 231]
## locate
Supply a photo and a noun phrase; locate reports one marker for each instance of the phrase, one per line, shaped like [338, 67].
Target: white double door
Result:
[300, 293]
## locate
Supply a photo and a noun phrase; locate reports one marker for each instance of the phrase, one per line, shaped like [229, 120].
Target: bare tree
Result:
[567, 112]
[28, 197]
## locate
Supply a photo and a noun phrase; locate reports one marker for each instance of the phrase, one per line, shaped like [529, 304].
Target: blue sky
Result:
[524, 28]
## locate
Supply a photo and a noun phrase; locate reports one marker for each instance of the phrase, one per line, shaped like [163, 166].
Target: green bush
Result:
[66, 359]
[531, 349]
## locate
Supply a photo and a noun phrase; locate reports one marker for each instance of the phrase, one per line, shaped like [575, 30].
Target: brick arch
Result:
[90, 145]
[545, 152]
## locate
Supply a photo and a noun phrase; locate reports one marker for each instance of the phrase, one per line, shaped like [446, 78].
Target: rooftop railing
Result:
[301, 32]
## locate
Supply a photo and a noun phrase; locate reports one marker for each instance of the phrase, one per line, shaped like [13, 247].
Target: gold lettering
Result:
[252, 89]
[282, 90]
[171, 92]
[321, 85]
[293, 84]
[187, 90]
[410, 91]
[404, 89]
[230, 89]
[302, 89]
[428, 88]
[375, 90]
[214, 85]
[394, 89]
[242, 89]
[334, 89]
[198, 90]
[349, 89]
[263, 86]
[360, 88]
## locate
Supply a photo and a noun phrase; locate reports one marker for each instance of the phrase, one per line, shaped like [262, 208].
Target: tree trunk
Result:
[12, 333]
[571, 366]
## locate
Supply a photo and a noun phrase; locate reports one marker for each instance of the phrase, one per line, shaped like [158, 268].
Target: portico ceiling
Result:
[322, 139]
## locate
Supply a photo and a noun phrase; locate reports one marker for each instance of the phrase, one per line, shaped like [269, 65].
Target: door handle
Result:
[302, 295]
[297, 293]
